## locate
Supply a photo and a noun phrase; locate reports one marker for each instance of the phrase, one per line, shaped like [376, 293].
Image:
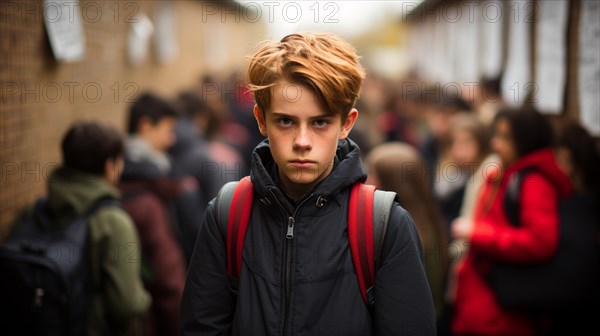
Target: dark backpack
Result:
[571, 277]
[44, 275]
[368, 216]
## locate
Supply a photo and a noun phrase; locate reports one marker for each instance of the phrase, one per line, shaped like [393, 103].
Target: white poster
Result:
[516, 82]
[589, 66]
[550, 58]
[65, 32]
[467, 46]
[491, 38]
[138, 39]
[166, 37]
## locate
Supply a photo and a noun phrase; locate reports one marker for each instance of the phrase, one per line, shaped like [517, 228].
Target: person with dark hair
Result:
[208, 116]
[153, 110]
[192, 156]
[577, 155]
[522, 139]
[76, 147]
[440, 107]
[92, 153]
[149, 193]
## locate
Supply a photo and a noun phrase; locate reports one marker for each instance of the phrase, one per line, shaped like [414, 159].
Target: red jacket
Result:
[494, 239]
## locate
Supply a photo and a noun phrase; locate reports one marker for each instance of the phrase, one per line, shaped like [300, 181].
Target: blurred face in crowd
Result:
[465, 149]
[160, 135]
[303, 136]
[502, 142]
[438, 121]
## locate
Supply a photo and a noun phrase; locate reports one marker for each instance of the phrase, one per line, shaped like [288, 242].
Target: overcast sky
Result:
[347, 18]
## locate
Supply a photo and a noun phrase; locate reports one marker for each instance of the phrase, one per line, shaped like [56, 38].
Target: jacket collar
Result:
[544, 162]
[346, 172]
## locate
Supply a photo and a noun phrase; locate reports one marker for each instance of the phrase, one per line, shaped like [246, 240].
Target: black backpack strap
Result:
[512, 197]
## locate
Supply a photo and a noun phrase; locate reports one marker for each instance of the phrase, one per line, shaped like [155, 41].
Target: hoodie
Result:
[306, 285]
[118, 296]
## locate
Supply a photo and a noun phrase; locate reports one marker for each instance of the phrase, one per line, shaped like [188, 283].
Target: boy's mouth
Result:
[302, 163]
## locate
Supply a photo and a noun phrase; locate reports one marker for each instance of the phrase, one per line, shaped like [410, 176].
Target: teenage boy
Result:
[297, 275]
[92, 163]
[149, 192]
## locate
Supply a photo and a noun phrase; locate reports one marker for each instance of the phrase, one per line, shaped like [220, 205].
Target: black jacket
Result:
[306, 285]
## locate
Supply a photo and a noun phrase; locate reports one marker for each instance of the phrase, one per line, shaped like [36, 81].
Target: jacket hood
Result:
[543, 161]
[348, 169]
[138, 151]
[71, 193]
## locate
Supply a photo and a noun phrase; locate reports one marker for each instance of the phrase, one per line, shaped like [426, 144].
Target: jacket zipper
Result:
[291, 221]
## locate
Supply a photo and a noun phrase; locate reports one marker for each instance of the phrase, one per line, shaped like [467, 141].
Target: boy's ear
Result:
[144, 124]
[112, 170]
[348, 124]
[260, 120]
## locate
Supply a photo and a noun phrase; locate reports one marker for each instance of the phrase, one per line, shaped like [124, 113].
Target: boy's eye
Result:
[284, 121]
[321, 122]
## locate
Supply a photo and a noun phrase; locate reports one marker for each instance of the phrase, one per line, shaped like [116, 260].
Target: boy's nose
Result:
[302, 140]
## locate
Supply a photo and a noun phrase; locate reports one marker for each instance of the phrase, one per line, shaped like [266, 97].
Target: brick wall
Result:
[40, 97]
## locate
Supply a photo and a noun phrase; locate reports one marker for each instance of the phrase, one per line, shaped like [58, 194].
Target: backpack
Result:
[571, 277]
[44, 275]
[368, 212]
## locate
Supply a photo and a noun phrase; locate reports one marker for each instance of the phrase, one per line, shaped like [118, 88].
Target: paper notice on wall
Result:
[491, 38]
[138, 39]
[467, 47]
[516, 82]
[589, 66]
[166, 37]
[65, 31]
[550, 58]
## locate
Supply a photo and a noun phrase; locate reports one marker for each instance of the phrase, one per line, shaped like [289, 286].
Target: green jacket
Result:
[119, 298]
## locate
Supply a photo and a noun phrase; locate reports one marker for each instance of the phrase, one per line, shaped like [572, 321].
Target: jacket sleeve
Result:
[403, 301]
[163, 255]
[537, 237]
[208, 305]
[123, 290]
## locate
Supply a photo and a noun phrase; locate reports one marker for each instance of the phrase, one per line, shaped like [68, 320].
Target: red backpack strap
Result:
[237, 224]
[360, 237]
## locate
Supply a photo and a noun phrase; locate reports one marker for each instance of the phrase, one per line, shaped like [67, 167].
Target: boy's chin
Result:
[303, 178]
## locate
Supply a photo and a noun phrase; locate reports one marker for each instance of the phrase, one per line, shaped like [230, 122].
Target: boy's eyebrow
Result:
[284, 115]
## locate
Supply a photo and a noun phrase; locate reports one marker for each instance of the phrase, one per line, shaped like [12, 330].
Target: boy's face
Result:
[160, 135]
[303, 137]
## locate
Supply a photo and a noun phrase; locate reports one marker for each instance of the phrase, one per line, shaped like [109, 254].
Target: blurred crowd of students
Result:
[450, 158]
[457, 160]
